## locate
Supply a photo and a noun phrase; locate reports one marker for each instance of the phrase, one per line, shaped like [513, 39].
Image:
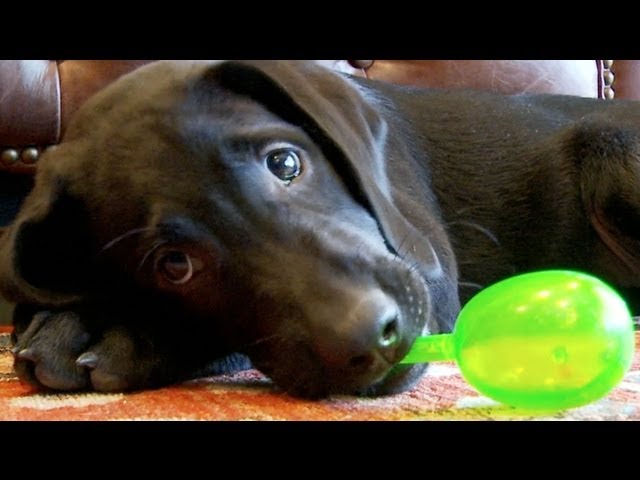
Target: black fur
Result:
[409, 201]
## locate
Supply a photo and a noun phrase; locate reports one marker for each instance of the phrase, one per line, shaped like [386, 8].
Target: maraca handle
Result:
[432, 349]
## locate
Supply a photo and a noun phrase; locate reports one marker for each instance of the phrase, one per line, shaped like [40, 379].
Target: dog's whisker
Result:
[477, 286]
[125, 235]
[153, 248]
[414, 267]
[464, 211]
[468, 262]
[265, 339]
[478, 227]
[398, 250]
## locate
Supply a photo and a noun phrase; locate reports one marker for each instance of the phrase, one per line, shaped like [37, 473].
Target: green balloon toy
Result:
[546, 340]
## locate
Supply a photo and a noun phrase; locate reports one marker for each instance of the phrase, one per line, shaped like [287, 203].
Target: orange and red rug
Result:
[441, 395]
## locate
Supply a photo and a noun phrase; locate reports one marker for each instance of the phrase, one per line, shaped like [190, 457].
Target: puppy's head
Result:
[260, 196]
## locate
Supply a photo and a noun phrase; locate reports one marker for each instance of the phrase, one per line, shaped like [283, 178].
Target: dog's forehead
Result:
[222, 115]
[152, 88]
[152, 134]
[164, 97]
[160, 108]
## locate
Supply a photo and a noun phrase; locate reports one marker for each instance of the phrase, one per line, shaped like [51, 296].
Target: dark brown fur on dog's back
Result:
[202, 211]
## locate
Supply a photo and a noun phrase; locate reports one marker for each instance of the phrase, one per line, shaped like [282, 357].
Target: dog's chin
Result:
[296, 368]
[317, 385]
[399, 379]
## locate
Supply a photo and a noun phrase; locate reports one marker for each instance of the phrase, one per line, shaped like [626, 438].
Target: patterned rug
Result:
[441, 395]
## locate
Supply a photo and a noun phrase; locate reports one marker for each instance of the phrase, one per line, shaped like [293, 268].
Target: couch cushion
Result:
[37, 97]
[571, 77]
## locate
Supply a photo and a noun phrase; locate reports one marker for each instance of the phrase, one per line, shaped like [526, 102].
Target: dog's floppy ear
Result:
[352, 133]
[44, 253]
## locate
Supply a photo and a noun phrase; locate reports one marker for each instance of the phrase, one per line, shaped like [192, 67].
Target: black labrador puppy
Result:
[199, 215]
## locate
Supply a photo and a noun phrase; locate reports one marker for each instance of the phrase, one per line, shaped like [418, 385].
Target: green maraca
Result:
[546, 340]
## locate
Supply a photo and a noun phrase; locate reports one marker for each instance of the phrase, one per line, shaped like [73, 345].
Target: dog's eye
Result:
[175, 266]
[284, 163]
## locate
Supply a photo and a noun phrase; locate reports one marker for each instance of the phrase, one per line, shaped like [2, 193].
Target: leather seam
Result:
[59, 102]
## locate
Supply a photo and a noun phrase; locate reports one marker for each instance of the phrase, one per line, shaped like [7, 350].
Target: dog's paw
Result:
[57, 351]
[45, 353]
[119, 361]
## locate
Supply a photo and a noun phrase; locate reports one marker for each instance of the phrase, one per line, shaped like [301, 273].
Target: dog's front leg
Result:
[80, 348]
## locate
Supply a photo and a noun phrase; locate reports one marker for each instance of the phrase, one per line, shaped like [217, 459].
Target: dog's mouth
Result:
[316, 382]
[304, 365]
[399, 379]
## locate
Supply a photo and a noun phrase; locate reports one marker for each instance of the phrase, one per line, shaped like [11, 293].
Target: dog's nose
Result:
[371, 331]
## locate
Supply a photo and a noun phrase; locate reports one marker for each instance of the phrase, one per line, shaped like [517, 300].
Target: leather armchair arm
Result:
[37, 97]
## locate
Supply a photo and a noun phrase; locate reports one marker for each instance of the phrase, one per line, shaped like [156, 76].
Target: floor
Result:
[442, 394]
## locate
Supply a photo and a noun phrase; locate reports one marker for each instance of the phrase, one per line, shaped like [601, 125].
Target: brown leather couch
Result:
[37, 97]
